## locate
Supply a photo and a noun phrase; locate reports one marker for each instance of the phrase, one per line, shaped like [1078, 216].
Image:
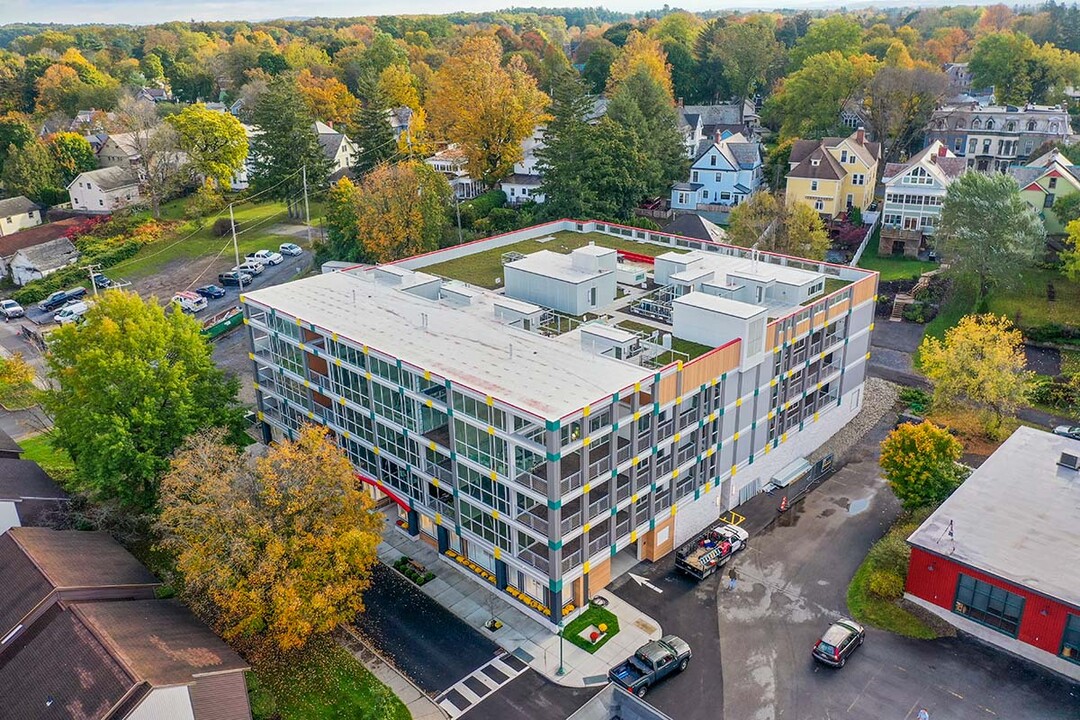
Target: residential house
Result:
[38, 261]
[834, 174]
[120, 150]
[699, 123]
[524, 184]
[217, 107]
[914, 191]
[28, 496]
[996, 137]
[18, 213]
[1043, 181]
[695, 226]
[90, 121]
[339, 150]
[241, 180]
[452, 163]
[400, 118]
[9, 449]
[154, 95]
[104, 190]
[725, 171]
[853, 115]
[11, 244]
[84, 637]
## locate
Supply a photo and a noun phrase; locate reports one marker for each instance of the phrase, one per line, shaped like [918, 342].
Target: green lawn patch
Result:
[692, 349]
[1027, 304]
[485, 268]
[867, 608]
[321, 682]
[633, 326]
[1070, 362]
[895, 268]
[253, 222]
[57, 463]
[593, 616]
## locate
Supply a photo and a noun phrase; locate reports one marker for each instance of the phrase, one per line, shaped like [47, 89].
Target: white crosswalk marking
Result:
[472, 689]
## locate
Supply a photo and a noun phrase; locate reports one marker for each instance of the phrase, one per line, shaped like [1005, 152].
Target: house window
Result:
[990, 124]
[719, 177]
[1070, 641]
[1010, 126]
[712, 160]
[813, 185]
[1048, 201]
[858, 179]
[973, 145]
[1053, 183]
[725, 196]
[819, 205]
[704, 194]
[694, 176]
[958, 145]
[592, 297]
[989, 605]
[976, 124]
[684, 199]
[843, 156]
[100, 202]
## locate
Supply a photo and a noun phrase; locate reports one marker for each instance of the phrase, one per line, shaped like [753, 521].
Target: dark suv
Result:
[838, 642]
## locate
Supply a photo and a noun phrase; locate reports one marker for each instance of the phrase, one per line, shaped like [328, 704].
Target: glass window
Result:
[1070, 641]
[483, 488]
[989, 605]
[482, 524]
[480, 446]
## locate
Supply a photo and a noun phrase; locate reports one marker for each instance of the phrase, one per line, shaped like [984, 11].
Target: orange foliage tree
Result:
[273, 551]
[327, 99]
[641, 51]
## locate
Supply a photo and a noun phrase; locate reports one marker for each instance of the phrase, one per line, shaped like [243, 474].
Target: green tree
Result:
[374, 136]
[1000, 60]
[711, 86]
[1070, 257]
[899, 103]
[766, 222]
[15, 131]
[72, 155]
[273, 551]
[30, 171]
[920, 464]
[835, 33]
[808, 101]
[980, 363]
[746, 51]
[643, 107]
[598, 66]
[987, 231]
[286, 146]
[215, 142]
[1067, 208]
[129, 384]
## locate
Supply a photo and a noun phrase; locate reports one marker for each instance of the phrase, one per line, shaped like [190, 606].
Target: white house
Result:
[119, 150]
[340, 150]
[725, 172]
[104, 190]
[40, 260]
[18, 213]
[914, 192]
[701, 122]
[241, 180]
[452, 163]
[524, 184]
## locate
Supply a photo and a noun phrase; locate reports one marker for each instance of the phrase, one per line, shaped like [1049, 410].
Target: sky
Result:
[156, 11]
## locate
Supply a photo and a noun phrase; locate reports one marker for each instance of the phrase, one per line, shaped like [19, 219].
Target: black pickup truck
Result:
[652, 662]
[61, 298]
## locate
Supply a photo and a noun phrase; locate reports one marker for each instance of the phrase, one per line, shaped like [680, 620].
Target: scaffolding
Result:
[509, 257]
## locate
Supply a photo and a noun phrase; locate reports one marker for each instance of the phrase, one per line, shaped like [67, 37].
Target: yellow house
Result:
[833, 174]
[1044, 180]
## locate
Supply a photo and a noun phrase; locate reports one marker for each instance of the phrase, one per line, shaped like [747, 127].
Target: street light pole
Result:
[562, 670]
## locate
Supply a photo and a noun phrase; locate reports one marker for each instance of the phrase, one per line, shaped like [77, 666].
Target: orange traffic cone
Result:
[784, 504]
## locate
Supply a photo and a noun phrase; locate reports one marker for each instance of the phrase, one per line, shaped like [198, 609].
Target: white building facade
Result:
[104, 190]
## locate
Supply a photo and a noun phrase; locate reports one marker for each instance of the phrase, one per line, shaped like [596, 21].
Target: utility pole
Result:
[307, 211]
[90, 271]
[457, 209]
[236, 248]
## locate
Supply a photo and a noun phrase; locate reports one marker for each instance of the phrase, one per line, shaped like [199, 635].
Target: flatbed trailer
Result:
[709, 551]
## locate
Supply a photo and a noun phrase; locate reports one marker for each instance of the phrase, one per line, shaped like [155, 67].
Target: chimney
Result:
[942, 150]
[718, 136]
[679, 103]
[329, 124]
[860, 136]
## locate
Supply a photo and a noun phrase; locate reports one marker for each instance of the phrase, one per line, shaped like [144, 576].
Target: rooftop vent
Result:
[1069, 460]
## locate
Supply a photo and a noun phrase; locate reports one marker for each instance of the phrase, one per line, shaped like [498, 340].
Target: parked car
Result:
[251, 267]
[101, 282]
[72, 312]
[61, 298]
[189, 302]
[652, 662]
[11, 309]
[266, 257]
[838, 642]
[291, 249]
[1069, 431]
[211, 292]
[234, 277]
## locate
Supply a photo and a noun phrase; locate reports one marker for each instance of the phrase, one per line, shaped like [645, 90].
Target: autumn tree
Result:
[71, 155]
[899, 103]
[808, 102]
[128, 385]
[327, 99]
[987, 231]
[766, 222]
[273, 551]
[484, 107]
[398, 87]
[215, 142]
[16, 382]
[640, 52]
[396, 211]
[15, 131]
[834, 33]
[287, 147]
[920, 463]
[981, 364]
[416, 142]
[158, 162]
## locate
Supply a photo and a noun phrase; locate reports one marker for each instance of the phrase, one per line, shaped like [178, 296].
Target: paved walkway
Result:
[455, 589]
[420, 706]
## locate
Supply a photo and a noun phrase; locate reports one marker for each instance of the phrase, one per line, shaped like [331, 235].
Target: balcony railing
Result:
[532, 481]
[622, 454]
[533, 521]
[599, 544]
[535, 559]
[571, 521]
[622, 488]
[601, 504]
[447, 511]
[571, 560]
[603, 462]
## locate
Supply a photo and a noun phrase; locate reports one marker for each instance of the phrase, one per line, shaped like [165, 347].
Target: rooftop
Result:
[720, 305]
[746, 267]
[554, 265]
[73, 558]
[17, 205]
[108, 178]
[1015, 517]
[466, 344]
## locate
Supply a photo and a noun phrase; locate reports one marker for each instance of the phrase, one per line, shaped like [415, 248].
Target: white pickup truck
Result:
[266, 257]
[707, 552]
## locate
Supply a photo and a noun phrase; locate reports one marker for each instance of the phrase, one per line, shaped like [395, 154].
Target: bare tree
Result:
[154, 149]
[899, 103]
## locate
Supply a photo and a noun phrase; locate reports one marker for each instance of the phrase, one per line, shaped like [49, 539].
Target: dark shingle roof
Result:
[73, 558]
[8, 447]
[51, 254]
[523, 179]
[695, 226]
[18, 205]
[24, 584]
[34, 493]
[827, 167]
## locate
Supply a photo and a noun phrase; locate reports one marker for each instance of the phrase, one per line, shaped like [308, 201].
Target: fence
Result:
[865, 241]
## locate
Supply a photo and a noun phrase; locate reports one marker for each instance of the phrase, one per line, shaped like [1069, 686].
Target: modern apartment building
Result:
[544, 453]
[994, 138]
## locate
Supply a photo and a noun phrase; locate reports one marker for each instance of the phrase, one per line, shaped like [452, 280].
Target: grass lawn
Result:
[188, 242]
[593, 616]
[1027, 305]
[892, 268]
[1070, 362]
[484, 268]
[692, 349]
[322, 682]
[867, 608]
[53, 461]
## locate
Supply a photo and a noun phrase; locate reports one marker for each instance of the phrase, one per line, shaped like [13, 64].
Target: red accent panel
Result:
[938, 586]
[382, 488]
[637, 257]
[1036, 187]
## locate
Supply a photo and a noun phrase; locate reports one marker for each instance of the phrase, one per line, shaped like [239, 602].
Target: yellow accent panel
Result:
[738, 402]
[767, 448]
[635, 460]
[303, 347]
[333, 336]
[821, 357]
[490, 400]
[588, 486]
[872, 324]
[311, 415]
[675, 473]
[376, 450]
[260, 415]
[346, 434]
[337, 361]
[783, 438]
[633, 498]
[256, 386]
[867, 356]
[678, 400]
[427, 374]
[586, 527]
[243, 298]
[816, 416]
[431, 444]
[438, 518]
[673, 509]
[491, 430]
[585, 567]
[364, 349]
[733, 469]
[367, 376]
[633, 536]
[307, 383]
[772, 383]
[430, 404]
[585, 411]
[435, 482]
[587, 440]
[736, 436]
[677, 436]
[710, 452]
[637, 416]
[299, 322]
[678, 365]
[637, 387]
[772, 413]
[494, 475]
[251, 356]
[246, 321]
[495, 514]
[498, 553]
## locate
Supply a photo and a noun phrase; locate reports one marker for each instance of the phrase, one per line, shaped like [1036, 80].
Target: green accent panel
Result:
[614, 511]
[554, 544]
[753, 424]
[553, 425]
[756, 391]
[614, 398]
[751, 459]
[615, 473]
[721, 412]
[554, 456]
[652, 524]
[615, 426]
[614, 549]
[554, 504]
[656, 408]
[555, 585]
[697, 494]
[455, 492]
[453, 455]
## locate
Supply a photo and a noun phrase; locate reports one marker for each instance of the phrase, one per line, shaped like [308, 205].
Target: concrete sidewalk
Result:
[528, 639]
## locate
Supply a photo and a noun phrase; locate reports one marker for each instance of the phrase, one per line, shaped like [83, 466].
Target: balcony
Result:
[441, 470]
[536, 555]
[447, 511]
[440, 435]
[317, 378]
[599, 500]
[622, 488]
[599, 540]
[571, 516]
[622, 452]
[600, 460]
[622, 523]
[572, 555]
[532, 480]
[535, 517]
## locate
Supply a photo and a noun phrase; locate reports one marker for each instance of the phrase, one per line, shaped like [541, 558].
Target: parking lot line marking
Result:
[733, 518]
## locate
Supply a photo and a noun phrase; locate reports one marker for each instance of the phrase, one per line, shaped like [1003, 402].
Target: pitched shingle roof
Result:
[30, 488]
[51, 254]
[17, 205]
[695, 226]
[10, 244]
[826, 168]
[72, 558]
[108, 178]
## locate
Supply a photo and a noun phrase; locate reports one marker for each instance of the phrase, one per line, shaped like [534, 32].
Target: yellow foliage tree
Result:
[920, 464]
[327, 99]
[484, 107]
[275, 551]
[16, 381]
[981, 364]
[399, 87]
[401, 210]
[416, 142]
[53, 85]
[641, 51]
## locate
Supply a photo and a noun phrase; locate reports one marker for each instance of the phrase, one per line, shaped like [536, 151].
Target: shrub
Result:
[918, 401]
[221, 227]
[890, 554]
[886, 585]
[920, 312]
